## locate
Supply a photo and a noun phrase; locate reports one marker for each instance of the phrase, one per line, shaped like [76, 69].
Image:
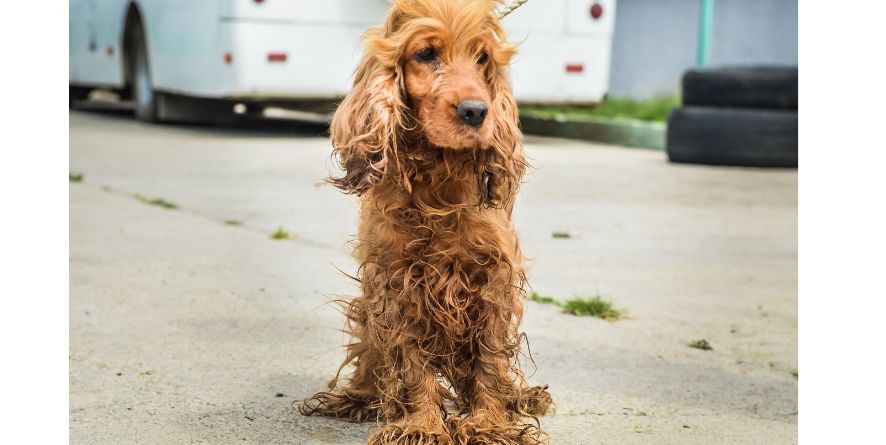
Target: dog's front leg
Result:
[490, 388]
[412, 390]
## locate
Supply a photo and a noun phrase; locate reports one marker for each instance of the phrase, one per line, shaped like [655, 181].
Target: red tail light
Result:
[575, 68]
[597, 11]
[277, 57]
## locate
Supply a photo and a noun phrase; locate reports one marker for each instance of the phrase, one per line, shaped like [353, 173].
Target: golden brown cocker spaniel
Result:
[428, 138]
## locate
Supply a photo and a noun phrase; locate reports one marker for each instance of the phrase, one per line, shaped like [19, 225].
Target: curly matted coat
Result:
[435, 331]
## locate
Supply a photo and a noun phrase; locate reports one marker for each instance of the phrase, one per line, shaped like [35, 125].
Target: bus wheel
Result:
[142, 89]
[77, 94]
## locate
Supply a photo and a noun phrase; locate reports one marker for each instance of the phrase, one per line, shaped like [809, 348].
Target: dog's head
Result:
[437, 70]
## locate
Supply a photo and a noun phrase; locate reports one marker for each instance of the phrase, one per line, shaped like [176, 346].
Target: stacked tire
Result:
[736, 116]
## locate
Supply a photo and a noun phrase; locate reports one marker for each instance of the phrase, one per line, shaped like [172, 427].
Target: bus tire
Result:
[732, 136]
[767, 87]
[143, 94]
[194, 110]
[77, 94]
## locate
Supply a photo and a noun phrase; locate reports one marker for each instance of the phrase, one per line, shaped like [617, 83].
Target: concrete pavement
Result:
[185, 329]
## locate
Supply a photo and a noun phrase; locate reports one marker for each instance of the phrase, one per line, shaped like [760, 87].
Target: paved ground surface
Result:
[185, 329]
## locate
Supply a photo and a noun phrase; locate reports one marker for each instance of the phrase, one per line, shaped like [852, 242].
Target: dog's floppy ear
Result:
[501, 167]
[366, 126]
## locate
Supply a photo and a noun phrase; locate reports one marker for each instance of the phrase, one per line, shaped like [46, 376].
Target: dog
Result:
[428, 138]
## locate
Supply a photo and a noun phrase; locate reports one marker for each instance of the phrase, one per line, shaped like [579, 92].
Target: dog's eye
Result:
[426, 55]
[484, 56]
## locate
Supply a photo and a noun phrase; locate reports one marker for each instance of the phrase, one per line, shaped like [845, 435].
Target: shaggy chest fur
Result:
[433, 255]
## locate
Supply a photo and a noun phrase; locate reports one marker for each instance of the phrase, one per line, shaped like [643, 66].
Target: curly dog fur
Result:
[435, 330]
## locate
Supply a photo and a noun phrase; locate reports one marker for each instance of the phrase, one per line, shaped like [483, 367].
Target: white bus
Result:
[181, 60]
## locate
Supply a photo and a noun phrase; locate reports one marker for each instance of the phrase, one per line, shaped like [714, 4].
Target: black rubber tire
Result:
[194, 110]
[743, 87]
[733, 136]
[77, 94]
[143, 93]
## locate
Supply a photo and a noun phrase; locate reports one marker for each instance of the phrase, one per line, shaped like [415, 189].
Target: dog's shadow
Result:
[267, 412]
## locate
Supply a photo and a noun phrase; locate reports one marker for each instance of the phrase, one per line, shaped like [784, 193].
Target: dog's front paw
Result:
[465, 432]
[341, 405]
[402, 433]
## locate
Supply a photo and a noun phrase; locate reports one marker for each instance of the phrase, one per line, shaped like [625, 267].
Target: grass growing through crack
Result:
[560, 234]
[159, 202]
[589, 307]
[543, 299]
[75, 177]
[594, 307]
[233, 222]
[281, 234]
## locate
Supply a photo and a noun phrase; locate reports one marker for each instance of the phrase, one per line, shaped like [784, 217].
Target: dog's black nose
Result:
[472, 112]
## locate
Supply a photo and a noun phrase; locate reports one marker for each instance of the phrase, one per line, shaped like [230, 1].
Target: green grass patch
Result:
[588, 307]
[281, 234]
[592, 307]
[159, 202]
[543, 299]
[655, 110]
[560, 234]
[233, 222]
[75, 177]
